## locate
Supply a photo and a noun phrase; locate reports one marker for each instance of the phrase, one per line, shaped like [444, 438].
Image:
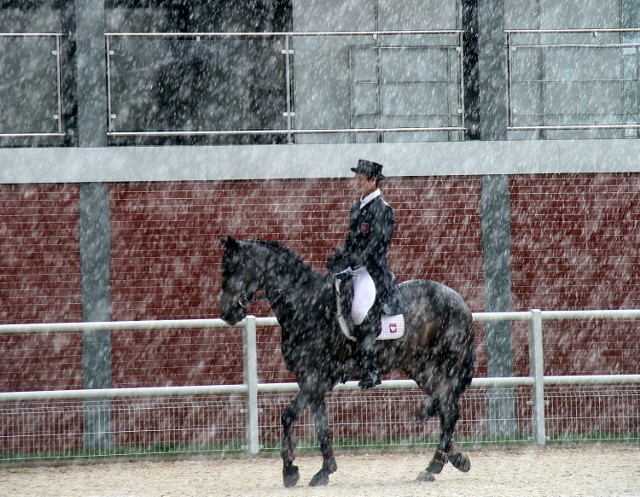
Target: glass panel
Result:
[28, 85]
[197, 83]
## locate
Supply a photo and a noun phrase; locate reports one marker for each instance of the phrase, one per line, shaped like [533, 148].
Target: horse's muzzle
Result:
[233, 316]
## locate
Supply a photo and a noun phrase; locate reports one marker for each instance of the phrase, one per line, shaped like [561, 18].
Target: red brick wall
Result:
[575, 242]
[166, 261]
[576, 245]
[39, 282]
[40, 261]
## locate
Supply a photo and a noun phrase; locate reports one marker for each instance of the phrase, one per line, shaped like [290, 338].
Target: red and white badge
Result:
[364, 228]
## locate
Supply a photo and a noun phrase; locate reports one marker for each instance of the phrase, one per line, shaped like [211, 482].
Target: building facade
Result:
[133, 134]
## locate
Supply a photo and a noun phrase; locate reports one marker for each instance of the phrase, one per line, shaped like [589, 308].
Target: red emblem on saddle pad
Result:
[364, 227]
[393, 328]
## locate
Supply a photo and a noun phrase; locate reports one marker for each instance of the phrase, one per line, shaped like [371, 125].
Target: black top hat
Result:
[369, 168]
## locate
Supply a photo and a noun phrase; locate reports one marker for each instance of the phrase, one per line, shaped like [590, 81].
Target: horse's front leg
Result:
[325, 437]
[290, 472]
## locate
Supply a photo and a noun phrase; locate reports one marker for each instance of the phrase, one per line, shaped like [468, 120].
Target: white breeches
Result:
[364, 295]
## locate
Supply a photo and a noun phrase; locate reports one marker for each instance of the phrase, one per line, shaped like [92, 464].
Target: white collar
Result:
[364, 201]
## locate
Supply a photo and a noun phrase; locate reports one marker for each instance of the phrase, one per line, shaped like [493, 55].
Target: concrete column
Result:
[84, 22]
[486, 118]
[95, 258]
[496, 248]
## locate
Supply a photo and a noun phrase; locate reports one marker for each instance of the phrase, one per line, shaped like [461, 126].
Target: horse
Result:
[436, 350]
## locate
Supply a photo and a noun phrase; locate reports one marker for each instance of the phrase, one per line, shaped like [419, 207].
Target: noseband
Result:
[244, 301]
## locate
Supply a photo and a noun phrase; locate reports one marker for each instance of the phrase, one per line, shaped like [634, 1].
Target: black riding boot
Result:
[366, 337]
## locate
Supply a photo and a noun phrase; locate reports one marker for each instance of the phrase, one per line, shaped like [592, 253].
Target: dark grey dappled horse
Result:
[436, 350]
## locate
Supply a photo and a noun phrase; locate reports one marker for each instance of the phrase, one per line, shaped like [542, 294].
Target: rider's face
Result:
[364, 185]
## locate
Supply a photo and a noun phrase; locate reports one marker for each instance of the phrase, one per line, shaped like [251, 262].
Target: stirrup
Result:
[370, 380]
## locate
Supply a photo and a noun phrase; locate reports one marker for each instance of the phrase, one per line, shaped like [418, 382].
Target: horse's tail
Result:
[469, 359]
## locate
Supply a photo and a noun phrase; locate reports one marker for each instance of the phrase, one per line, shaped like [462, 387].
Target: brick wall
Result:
[576, 245]
[39, 282]
[575, 242]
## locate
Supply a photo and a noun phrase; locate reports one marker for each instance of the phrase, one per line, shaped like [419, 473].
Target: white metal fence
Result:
[257, 406]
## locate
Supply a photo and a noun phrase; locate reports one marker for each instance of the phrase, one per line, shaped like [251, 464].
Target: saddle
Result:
[391, 325]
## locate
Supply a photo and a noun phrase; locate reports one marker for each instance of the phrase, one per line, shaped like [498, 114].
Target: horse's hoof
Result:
[425, 476]
[320, 479]
[460, 461]
[437, 463]
[291, 476]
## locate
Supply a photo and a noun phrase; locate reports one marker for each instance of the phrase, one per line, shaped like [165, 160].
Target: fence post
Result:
[251, 380]
[288, 52]
[536, 365]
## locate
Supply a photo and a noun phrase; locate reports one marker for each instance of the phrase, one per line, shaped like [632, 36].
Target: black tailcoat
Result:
[367, 244]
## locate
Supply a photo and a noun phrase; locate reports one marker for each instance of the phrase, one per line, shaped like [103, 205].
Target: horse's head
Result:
[240, 281]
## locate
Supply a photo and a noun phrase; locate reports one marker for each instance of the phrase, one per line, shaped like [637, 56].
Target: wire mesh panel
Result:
[40, 430]
[359, 419]
[607, 412]
[167, 425]
[388, 419]
[179, 425]
[190, 422]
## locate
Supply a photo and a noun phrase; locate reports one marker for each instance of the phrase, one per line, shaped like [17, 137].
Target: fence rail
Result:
[251, 388]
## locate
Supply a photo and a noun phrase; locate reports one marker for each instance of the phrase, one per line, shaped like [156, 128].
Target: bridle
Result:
[244, 301]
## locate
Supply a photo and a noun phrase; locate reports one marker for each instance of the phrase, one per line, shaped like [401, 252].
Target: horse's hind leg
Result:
[429, 407]
[449, 415]
[323, 432]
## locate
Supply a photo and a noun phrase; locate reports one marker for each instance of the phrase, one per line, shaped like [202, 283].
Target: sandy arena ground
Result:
[594, 471]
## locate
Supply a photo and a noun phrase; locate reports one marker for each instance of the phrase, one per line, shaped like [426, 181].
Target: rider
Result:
[364, 256]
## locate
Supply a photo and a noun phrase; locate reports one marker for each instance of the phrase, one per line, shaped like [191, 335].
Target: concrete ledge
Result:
[197, 163]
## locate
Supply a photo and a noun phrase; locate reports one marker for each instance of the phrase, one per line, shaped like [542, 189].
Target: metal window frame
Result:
[511, 47]
[289, 111]
[58, 116]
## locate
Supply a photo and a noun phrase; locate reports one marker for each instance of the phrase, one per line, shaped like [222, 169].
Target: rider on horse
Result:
[364, 257]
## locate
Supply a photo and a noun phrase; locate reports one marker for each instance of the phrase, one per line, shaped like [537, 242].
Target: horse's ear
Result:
[229, 242]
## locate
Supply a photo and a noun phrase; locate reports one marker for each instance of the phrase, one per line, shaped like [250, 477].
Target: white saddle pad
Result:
[392, 326]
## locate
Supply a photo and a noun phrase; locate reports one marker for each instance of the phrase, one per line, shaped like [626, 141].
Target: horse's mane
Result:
[289, 256]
